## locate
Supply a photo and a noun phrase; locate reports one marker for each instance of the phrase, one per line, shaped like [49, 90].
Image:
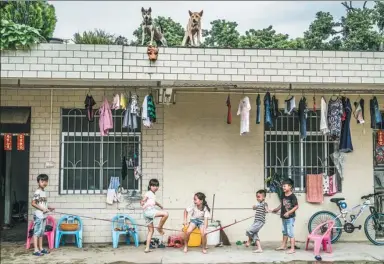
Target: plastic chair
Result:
[321, 238]
[78, 233]
[49, 234]
[120, 227]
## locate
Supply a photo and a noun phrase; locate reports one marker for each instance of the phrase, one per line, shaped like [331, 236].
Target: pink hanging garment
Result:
[314, 188]
[105, 121]
[329, 185]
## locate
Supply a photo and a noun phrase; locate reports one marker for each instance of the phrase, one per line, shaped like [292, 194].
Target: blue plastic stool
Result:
[129, 230]
[78, 233]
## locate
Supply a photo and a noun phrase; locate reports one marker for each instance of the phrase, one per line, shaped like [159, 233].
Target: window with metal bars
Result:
[88, 160]
[290, 156]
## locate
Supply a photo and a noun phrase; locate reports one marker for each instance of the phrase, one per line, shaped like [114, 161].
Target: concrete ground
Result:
[104, 254]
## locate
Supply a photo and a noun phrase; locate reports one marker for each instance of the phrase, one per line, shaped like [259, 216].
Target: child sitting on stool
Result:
[199, 213]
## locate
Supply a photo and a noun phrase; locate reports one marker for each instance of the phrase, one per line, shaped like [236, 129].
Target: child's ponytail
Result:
[201, 197]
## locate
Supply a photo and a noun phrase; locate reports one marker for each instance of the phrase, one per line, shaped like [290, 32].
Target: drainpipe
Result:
[7, 193]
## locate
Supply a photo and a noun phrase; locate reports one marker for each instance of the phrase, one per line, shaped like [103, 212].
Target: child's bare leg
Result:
[292, 250]
[41, 243]
[248, 242]
[187, 234]
[203, 238]
[164, 217]
[149, 238]
[258, 247]
[283, 244]
[35, 243]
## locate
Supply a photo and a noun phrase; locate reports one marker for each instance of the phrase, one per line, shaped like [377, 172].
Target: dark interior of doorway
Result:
[14, 166]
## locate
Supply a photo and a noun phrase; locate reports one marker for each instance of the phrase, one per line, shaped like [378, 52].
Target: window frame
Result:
[324, 165]
[101, 142]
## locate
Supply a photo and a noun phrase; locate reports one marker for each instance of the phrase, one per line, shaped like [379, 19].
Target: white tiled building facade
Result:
[190, 148]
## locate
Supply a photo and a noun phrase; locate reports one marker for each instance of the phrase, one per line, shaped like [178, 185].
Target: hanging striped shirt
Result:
[260, 212]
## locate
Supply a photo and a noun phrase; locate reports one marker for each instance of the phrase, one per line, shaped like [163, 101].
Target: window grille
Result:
[88, 160]
[378, 168]
[290, 156]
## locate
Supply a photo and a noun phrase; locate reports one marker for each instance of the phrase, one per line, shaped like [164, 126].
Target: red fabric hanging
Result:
[229, 114]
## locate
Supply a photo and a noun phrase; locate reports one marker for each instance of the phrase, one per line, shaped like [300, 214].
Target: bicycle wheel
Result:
[322, 217]
[374, 232]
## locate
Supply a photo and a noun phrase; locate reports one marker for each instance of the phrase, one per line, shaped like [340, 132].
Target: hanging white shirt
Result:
[323, 117]
[243, 111]
[144, 114]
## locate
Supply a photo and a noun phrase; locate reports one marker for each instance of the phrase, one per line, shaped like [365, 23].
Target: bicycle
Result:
[375, 220]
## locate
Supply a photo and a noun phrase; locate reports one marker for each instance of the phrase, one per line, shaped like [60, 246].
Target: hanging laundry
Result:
[144, 116]
[116, 102]
[124, 171]
[303, 115]
[338, 159]
[290, 105]
[135, 109]
[345, 138]
[314, 103]
[105, 121]
[359, 111]
[314, 188]
[267, 110]
[151, 106]
[229, 113]
[130, 120]
[112, 194]
[258, 102]
[137, 173]
[335, 112]
[89, 102]
[329, 185]
[243, 111]
[274, 108]
[123, 101]
[323, 117]
[376, 116]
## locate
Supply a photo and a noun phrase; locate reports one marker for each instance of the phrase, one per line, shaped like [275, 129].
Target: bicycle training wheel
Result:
[322, 217]
[374, 229]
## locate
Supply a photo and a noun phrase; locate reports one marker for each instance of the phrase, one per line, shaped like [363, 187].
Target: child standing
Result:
[253, 232]
[288, 208]
[199, 213]
[150, 212]
[40, 203]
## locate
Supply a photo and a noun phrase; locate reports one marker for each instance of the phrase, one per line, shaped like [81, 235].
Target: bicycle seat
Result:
[336, 200]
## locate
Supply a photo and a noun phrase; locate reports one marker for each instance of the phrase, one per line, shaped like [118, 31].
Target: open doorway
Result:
[15, 127]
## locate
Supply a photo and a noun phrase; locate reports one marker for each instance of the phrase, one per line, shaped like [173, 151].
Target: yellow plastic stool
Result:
[194, 238]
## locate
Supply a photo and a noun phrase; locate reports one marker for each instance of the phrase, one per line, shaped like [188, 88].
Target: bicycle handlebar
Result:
[366, 197]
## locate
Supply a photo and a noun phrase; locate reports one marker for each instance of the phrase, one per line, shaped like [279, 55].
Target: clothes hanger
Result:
[289, 94]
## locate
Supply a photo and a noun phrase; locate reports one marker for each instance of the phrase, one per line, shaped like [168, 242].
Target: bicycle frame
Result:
[344, 212]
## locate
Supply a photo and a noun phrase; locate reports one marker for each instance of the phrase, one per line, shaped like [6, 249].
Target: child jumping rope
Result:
[150, 212]
[199, 213]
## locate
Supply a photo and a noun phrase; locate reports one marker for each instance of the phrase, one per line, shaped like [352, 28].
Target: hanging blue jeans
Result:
[378, 117]
[303, 117]
[267, 106]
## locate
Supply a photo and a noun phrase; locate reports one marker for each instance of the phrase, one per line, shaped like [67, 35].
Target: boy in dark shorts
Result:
[287, 209]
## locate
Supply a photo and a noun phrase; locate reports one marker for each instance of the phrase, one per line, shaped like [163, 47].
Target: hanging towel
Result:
[314, 188]
[89, 102]
[229, 113]
[329, 185]
[258, 102]
[243, 112]
[105, 121]
[116, 102]
[123, 101]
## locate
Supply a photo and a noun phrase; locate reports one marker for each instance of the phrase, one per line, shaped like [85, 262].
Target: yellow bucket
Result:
[194, 238]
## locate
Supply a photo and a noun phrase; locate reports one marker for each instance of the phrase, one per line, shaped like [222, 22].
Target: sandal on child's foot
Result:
[38, 254]
[44, 251]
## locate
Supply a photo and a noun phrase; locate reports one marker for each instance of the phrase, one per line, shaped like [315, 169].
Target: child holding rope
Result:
[287, 209]
[261, 209]
[150, 212]
[199, 213]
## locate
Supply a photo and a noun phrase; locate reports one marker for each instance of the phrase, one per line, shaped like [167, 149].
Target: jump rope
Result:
[168, 229]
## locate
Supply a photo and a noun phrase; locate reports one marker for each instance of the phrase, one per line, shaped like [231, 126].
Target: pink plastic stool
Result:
[50, 234]
[320, 239]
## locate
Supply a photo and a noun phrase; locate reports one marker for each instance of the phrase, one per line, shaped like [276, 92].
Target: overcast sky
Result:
[123, 17]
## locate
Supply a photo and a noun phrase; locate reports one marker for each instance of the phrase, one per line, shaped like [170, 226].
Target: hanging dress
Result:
[243, 112]
[345, 139]
[323, 117]
[335, 111]
[105, 121]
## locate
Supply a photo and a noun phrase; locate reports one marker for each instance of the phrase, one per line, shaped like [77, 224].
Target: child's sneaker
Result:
[38, 254]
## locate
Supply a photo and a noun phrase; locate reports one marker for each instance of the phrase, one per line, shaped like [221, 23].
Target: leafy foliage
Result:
[17, 36]
[223, 34]
[173, 32]
[96, 37]
[38, 14]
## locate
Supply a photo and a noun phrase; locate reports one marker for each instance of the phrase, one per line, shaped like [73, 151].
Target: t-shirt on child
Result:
[196, 213]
